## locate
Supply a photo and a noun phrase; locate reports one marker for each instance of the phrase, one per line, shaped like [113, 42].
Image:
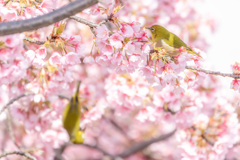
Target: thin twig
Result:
[59, 151]
[142, 145]
[88, 23]
[99, 149]
[236, 144]
[25, 47]
[84, 21]
[34, 41]
[117, 127]
[207, 140]
[10, 129]
[57, 15]
[64, 97]
[7, 1]
[121, 2]
[92, 29]
[13, 100]
[21, 153]
[236, 76]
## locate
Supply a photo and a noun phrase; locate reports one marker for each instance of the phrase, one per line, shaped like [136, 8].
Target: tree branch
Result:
[90, 24]
[236, 76]
[21, 153]
[207, 140]
[13, 100]
[33, 41]
[140, 146]
[84, 21]
[72, 8]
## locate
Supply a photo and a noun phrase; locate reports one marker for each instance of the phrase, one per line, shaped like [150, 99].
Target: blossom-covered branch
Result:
[236, 76]
[21, 153]
[7, 28]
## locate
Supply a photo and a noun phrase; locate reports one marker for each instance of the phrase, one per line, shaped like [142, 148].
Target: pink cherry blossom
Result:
[70, 59]
[55, 59]
[126, 30]
[102, 32]
[116, 40]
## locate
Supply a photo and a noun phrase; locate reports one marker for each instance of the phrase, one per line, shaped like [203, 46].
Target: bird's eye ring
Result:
[152, 29]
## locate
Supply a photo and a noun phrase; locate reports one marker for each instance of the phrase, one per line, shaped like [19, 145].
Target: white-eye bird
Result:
[72, 117]
[168, 41]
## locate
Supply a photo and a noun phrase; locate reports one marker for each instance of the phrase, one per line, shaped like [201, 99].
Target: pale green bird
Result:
[72, 117]
[168, 41]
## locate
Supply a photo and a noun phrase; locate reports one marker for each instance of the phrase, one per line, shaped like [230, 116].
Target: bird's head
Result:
[158, 32]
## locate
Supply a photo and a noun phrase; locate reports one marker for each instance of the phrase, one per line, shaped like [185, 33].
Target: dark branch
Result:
[142, 145]
[72, 8]
[21, 153]
[236, 76]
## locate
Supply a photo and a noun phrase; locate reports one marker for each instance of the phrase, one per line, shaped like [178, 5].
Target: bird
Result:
[72, 116]
[172, 44]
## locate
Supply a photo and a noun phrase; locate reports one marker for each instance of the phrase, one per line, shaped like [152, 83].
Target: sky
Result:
[225, 44]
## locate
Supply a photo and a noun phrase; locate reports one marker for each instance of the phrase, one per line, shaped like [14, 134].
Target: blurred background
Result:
[224, 44]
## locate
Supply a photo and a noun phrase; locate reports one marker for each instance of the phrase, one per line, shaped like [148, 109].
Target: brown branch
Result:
[21, 153]
[142, 145]
[13, 100]
[57, 15]
[236, 76]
